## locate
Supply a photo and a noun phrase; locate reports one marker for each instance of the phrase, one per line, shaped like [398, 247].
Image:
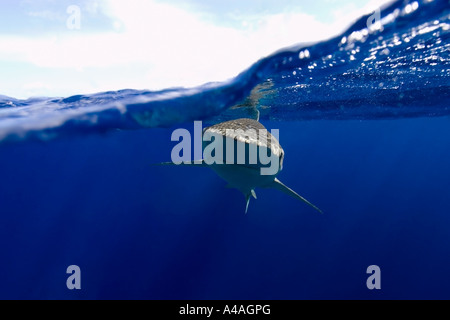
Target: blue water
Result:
[364, 122]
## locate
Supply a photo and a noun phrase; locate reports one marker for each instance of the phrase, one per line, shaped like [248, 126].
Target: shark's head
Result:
[243, 142]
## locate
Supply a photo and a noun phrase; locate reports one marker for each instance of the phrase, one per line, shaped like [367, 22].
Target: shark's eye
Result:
[281, 159]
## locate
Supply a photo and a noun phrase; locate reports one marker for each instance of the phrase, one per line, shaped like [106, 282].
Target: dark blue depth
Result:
[149, 232]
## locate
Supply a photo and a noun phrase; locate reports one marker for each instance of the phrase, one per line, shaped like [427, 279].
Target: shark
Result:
[248, 157]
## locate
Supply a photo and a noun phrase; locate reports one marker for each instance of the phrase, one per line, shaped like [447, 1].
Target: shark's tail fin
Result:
[277, 184]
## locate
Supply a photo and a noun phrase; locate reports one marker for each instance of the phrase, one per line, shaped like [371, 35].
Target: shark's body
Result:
[247, 175]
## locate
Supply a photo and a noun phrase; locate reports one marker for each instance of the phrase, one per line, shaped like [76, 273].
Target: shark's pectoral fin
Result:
[277, 184]
[193, 163]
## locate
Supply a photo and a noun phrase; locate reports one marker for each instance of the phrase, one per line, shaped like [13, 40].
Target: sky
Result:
[67, 47]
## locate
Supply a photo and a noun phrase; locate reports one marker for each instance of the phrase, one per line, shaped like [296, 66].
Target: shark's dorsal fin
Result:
[277, 184]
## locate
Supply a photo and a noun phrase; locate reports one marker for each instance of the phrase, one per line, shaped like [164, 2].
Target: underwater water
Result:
[364, 123]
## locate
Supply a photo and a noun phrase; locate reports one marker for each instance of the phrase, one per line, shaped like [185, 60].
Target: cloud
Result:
[164, 45]
[347, 14]
[47, 14]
